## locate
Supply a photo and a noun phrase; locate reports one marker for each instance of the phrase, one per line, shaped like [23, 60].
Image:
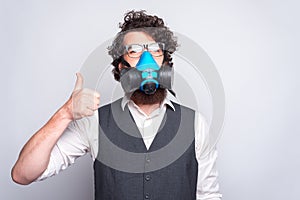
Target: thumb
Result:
[79, 82]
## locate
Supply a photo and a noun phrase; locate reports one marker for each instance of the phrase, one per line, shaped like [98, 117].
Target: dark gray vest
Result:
[126, 170]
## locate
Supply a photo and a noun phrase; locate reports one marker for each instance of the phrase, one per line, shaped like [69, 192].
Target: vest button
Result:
[148, 160]
[147, 177]
[147, 196]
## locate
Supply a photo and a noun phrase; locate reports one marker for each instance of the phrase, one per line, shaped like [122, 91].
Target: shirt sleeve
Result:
[207, 180]
[72, 144]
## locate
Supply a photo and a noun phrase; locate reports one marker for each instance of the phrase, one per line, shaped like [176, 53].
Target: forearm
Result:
[35, 155]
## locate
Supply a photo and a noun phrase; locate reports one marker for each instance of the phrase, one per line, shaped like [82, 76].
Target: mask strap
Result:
[124, 62]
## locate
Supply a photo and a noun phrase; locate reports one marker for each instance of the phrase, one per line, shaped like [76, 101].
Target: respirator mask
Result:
[147, 76]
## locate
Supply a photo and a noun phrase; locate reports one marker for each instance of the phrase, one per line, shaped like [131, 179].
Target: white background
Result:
[254, 45]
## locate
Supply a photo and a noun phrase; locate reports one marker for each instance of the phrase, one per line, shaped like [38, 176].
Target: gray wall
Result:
[254, 45]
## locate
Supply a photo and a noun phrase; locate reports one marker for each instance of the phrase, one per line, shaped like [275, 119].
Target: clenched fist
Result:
[83, 102]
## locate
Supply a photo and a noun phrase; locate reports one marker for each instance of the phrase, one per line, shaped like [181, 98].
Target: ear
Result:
[120, 66]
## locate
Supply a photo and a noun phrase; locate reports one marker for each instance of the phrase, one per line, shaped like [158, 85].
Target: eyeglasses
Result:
[136, 50]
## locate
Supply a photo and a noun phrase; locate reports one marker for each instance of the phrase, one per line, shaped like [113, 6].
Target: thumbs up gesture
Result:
[83, 101]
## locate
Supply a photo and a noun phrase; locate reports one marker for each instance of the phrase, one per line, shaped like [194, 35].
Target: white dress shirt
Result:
[81, 136]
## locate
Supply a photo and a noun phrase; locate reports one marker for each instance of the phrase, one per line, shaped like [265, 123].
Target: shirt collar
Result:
[167, 101]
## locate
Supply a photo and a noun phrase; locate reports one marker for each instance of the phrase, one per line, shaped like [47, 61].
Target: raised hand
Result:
[83, 101]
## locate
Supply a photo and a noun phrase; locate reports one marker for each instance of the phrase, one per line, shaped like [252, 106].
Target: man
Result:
[146, 123]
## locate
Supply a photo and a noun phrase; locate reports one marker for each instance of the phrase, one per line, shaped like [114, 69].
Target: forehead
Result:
[137, 38]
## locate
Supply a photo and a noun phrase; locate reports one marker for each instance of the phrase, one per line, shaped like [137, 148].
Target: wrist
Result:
[66, 112]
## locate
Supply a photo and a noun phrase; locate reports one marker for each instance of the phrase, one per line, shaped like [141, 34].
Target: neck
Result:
[148, 108]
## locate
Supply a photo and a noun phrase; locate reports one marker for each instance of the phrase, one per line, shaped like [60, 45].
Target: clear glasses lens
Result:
[136, 50]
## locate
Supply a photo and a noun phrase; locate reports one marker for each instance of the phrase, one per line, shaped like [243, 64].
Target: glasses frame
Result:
[145, 46]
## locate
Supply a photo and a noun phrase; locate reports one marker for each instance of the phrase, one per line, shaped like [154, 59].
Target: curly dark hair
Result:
[141, 22]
